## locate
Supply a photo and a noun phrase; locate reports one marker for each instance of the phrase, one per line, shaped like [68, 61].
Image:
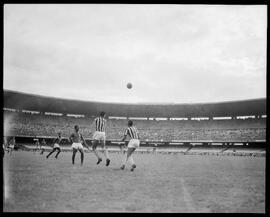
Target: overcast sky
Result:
[170, 53]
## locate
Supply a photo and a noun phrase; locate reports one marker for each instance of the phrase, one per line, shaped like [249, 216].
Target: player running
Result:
[77, 140]
[42, 146]
[134, 143]
[37, 148]
[56, 146]
[100, 137]
[4, 145]
[11, 145]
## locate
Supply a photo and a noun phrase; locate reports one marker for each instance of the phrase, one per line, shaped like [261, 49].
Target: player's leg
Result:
[94, 147]
[127, 157]
[82, 155]
[58, 152]
[42, 151]
[105, 150]
[130, 158]
[51, 153]
[73, 155]
[122, 149]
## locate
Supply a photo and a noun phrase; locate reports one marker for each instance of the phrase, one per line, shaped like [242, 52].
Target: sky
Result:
[170, 53]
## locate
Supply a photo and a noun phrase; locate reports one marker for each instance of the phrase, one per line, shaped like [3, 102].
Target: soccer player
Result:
[134, 143]
[11, 145]
[100, 137]
[4, 145]
[56, 146]
[155, 149]
[37, 148]
[77, 140]
[42, 146]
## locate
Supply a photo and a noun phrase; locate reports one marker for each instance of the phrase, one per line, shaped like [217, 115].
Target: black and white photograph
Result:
[134, 108]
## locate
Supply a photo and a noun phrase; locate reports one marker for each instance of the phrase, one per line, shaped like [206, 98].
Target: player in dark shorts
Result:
[99, 137]
[56, 146]
[11, 145]
[133, 143]
[77, 140]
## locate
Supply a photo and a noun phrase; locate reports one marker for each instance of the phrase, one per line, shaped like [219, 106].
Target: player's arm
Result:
[93, 125]
[84, 142]
[125, 135]
[70, 139]
[54, 141]
[124, 138]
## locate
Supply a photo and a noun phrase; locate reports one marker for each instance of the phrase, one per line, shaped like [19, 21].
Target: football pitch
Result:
[160, 183]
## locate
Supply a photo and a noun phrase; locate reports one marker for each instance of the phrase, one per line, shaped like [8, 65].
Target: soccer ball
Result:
[129, 85]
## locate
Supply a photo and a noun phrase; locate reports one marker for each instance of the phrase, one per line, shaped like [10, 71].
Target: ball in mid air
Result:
[129, 85]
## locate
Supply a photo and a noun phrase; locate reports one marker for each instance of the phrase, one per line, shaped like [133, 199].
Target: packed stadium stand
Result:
[33, 116]
[24, 124]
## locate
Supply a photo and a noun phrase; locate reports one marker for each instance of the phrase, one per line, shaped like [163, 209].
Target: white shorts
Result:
[134, 143]
[99, 135]
[56, 145]
[11, 146]
[77, 145]
[42, 147]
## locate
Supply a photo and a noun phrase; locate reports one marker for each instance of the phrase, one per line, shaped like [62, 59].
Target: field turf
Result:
[160, 183]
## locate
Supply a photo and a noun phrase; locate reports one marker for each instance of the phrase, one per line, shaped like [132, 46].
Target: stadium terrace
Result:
[29, 116]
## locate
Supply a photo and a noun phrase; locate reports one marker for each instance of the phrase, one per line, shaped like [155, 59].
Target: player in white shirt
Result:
[134, 143]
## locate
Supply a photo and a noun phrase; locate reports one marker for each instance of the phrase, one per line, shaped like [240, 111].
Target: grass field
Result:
[160, 183]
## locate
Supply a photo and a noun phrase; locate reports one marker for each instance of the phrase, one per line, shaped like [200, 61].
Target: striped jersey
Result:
[132, 132]
[100, 124]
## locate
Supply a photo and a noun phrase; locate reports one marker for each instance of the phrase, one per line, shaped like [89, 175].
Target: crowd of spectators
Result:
[25, 124]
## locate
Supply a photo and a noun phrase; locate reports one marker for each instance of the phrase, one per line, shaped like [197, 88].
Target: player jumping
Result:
[77, 140]
[134, 143]
[100, 137]
[56, 146]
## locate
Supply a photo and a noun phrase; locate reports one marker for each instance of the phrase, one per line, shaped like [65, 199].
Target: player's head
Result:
[130, 123]
[76, 127]
[102, 114]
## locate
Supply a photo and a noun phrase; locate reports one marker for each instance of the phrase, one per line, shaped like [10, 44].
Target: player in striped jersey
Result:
[100, 137]
[134, 143]
[77, 140]
[56, 146]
